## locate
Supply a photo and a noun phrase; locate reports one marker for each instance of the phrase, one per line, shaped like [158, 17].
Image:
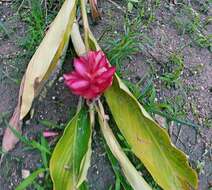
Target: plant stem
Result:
[92, 113]
[130, 172]
[76, 39]
[168, 116]
[79, 104]
[85, 23]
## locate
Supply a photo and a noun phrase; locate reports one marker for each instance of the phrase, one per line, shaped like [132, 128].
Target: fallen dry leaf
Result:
[44, 62]
[9, 139]
[94, 10]
[160, 120]
[49, 53]
[48, 134]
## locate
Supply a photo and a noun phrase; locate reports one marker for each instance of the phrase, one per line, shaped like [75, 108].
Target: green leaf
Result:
[130, 6]
[27, 141]
[83, 186]
[71, 156]
[44, 155]
[29, 180]
[4, 29]
[150, 143]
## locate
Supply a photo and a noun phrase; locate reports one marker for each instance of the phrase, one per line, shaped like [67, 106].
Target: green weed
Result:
[171, 109]
[202, 6]
[30, 143]
[122, 49]
[45, 151]
[37, 15]
[173, 70]
[203, 41]
[131, 4]
[4, 30]
[208, 122]
[147, 10]
[188, 21]
[51, 124]
[30, 179]
[34, 18]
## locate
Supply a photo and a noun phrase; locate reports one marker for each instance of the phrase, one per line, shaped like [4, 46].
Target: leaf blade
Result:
[29, 180]
[132, 175]
[149, 142]
[69, 153]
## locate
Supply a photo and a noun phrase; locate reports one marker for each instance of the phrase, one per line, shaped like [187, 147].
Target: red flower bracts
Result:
[92, 75]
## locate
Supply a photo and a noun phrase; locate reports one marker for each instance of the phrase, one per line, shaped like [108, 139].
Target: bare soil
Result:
[58, 105]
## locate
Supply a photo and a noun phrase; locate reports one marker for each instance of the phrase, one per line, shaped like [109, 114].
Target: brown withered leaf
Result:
[9, 139]
[42, 65]
[94, 10]
[47, 56]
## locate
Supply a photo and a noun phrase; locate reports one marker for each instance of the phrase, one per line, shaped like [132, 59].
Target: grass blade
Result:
[29, 180]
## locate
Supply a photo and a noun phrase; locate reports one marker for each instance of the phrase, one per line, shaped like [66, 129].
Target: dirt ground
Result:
[57, 104]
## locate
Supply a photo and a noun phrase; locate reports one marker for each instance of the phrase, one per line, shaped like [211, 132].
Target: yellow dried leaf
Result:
[45, 59]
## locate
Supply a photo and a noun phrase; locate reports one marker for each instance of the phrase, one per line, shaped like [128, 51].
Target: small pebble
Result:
[25, 173]
[41, 175]
[27, 122]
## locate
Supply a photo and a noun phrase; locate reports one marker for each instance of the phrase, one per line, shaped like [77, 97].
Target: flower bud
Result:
[92, 75]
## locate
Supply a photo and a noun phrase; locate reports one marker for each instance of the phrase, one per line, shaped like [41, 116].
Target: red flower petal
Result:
[79, 84]
[70, 76]
[103, 62]
[100, 71]
[106, 85]
[80, 68]
[89, 94]
[98, 58]
[50, 134]
[106, 75]
[95, 89]
[90, 61]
